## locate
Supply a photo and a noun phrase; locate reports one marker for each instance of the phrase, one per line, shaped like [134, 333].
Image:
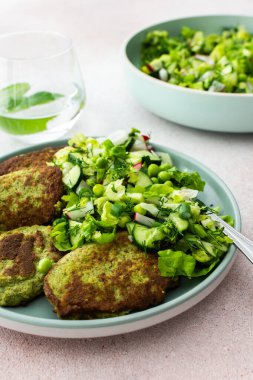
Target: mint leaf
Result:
[12, 94]
[12, 97]
[36, 99]
[42, 98]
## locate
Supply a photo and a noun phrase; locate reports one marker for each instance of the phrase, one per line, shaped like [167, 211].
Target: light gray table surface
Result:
[213, 340]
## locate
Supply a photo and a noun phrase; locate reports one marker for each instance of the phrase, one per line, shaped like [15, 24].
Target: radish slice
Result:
[145, 220]
[146, 137]
[163, 75]
[150, 67]
[137, 166]
[139, 144]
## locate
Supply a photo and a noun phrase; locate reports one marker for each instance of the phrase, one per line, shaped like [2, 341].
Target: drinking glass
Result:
[41, 87]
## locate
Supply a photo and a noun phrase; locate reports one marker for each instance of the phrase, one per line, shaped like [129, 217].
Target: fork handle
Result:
[242, 242]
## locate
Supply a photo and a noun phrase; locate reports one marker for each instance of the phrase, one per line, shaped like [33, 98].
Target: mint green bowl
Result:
[193, 108]
[38, 317]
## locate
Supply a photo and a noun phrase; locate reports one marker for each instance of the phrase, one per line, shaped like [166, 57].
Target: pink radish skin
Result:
[150, 67]
[137, 166]
[145, 137]
[145, 220]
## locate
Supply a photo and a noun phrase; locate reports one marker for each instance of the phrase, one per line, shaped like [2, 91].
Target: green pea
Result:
[163, 176]
[44, 265]
[184, 211]
[139, 209]
[168, 183]
[98, 190]
[165, 167]
[154, 180]
[153, 170]
[101, 163]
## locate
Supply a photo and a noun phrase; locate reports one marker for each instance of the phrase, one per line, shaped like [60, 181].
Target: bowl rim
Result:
[144, 314]
[171, 86]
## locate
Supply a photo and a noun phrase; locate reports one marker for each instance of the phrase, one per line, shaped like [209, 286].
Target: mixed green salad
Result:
[215, 62]
[121, 183]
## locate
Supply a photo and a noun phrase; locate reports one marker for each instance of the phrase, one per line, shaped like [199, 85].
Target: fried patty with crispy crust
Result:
[20, 251]
[105, 280]
[28, 196]
[29, 160]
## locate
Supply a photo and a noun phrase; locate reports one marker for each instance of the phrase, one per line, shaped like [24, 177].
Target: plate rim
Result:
[139, 315]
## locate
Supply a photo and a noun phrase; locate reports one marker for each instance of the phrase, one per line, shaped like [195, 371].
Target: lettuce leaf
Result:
[177, 263]
[107, 216]
[157, 189]
[191, 180]
[71, 199]
[60, 235]
[104, 237]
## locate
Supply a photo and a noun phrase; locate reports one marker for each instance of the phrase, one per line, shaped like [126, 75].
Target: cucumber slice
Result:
[135, 197]
[82, 185]
[209, 248]
[171, 206]
[66, 167]
[71, 178]
[75, 158]
[147, 238]
[181, 224]
[166, 159]
[136, 157]
[152, 209]
[143, 180]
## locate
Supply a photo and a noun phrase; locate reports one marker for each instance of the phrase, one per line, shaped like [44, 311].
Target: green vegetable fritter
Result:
[27, 161]
[21, 252]
[28, 196]
[105, 280]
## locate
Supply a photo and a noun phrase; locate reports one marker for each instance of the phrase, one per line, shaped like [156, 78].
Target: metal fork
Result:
[244, 244]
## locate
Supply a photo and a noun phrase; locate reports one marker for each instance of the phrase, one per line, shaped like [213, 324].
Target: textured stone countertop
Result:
[214, 339]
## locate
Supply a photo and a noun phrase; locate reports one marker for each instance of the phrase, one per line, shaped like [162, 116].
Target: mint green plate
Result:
[38, 317]
[193, 108]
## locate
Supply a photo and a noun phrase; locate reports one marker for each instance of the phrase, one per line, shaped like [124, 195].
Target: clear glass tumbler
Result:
[41, 87]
